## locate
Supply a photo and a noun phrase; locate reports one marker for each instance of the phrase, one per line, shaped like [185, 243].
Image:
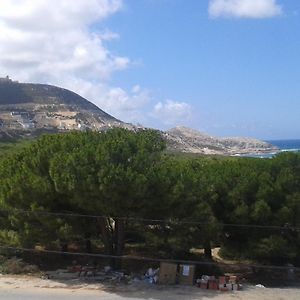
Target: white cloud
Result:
[127, 106]
[40, 15]
[172, 112]
[52, 42]
[244, 8]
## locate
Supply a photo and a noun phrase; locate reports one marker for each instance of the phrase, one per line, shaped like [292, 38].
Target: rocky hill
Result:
[27, 110]
[188, 140]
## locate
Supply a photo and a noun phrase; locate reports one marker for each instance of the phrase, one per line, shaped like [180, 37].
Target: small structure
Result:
[167, 273]
[27, 124]
[23, 118]
[7, 80]
[186, 274]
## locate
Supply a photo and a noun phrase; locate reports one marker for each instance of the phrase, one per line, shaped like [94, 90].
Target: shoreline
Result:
[265, 154]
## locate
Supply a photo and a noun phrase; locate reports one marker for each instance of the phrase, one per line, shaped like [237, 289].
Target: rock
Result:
[183, 139]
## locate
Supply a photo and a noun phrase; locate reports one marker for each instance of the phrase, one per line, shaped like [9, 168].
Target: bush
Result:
[16, 266]
[275, 249]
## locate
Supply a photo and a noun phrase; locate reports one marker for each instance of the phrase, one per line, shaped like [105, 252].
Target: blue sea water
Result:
[286, 145]
[283, 146]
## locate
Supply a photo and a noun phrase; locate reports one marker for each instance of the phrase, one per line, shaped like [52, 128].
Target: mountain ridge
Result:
[28, 109]
[30, 106]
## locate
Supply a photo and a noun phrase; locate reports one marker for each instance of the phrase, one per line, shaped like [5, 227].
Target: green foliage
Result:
[274, 248]
[9, 238]
[122, 173]
[88, 172]
[11, 146]
[16, 266]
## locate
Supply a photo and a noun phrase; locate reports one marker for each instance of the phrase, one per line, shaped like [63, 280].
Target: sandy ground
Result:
[22, 287]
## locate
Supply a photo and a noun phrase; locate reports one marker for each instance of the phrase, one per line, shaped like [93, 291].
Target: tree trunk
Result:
[119, 236]
[207, 249]
[88, 246]
[64, 249]
[106, 235]
[113, 235]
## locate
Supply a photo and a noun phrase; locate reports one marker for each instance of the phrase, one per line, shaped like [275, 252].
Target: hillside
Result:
[188, 140]
[28, 110]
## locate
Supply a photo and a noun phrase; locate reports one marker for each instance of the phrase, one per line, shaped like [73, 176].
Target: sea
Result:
[283, 146]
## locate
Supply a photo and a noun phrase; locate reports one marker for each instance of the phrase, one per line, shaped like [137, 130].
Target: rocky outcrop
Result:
[27, 110]
[31, 108]
[188, 140]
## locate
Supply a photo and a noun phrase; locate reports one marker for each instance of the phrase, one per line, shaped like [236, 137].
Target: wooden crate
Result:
[186, 274]
[167, 273]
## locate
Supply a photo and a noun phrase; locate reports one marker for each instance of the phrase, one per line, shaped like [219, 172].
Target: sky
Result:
[225, 67]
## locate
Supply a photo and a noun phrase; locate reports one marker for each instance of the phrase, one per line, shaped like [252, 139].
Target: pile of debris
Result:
[166, 274]
[223, 283]
[151, 276]
[16, 265]
[88, 272]
[171, 273]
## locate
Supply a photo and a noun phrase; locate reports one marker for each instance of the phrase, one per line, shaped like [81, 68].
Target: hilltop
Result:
[27, 109]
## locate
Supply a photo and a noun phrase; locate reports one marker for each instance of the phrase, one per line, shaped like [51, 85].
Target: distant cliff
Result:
[184, 139]
[26, 109]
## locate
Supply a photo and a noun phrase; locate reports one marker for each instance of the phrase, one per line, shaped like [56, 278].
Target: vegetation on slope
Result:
[22, 93]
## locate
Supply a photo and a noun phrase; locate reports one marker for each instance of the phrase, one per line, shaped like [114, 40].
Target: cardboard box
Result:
[224, 287]
[186, 274]
[213, 285]
[204, 285]
[222, 280]
[233, 279]
[167, 273]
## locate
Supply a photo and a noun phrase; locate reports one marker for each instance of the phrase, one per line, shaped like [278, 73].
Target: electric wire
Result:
[149, 259]
[174, 221]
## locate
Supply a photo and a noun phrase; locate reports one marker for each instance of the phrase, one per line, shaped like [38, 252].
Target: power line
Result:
[76, 215]
[148, 259]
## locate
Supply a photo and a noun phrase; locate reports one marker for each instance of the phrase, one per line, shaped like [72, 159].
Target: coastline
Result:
[268, 154]
[280, 146]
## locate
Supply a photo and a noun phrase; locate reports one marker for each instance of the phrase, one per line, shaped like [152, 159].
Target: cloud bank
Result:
[59, 42]
[244, 8]
[42, 40]
[172, 112]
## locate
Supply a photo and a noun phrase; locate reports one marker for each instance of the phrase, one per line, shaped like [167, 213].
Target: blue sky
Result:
[226, 67]
[241, 76]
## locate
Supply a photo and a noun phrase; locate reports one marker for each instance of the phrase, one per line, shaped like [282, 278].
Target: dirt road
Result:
[18, 288]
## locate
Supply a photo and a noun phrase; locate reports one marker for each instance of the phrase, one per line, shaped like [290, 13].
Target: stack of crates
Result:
[208, 282]
[224, 283]
[228, 283]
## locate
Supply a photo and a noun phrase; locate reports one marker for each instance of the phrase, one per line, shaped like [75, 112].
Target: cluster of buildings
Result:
[23, 118]
[7, 80]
